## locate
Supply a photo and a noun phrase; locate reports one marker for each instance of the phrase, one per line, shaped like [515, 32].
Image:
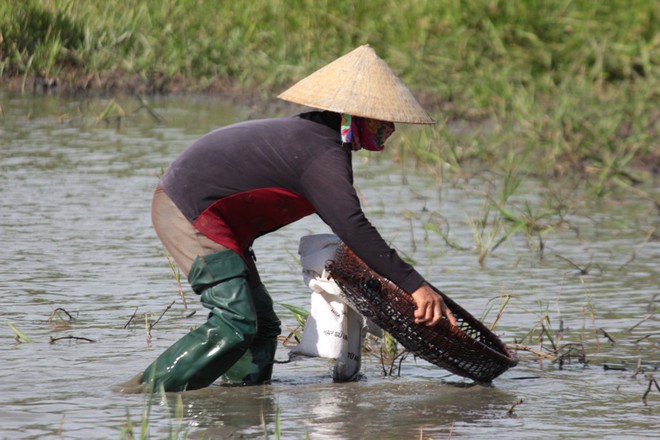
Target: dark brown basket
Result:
[471, 350]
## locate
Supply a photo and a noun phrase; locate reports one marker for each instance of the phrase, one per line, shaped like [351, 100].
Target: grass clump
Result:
[38, 40]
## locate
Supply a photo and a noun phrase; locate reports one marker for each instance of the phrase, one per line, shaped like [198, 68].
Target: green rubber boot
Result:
[256, 365]
[203, 355]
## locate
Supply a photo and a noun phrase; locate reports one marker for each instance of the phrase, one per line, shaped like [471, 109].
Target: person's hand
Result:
[430, 308]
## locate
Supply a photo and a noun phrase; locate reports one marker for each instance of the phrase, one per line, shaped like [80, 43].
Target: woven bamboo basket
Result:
[470, 350]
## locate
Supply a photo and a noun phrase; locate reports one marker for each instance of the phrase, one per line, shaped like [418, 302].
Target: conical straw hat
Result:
[359, 84]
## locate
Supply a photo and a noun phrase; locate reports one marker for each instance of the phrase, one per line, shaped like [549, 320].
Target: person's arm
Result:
[430, 308]
[328, 185]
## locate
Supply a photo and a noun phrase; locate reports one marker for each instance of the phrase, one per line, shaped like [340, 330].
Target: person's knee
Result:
[216, 268]
[239, 326]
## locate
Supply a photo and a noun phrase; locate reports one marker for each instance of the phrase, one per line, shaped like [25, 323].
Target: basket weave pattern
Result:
[471, 350]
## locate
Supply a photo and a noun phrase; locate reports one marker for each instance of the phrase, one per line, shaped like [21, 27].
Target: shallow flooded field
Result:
[81, 271]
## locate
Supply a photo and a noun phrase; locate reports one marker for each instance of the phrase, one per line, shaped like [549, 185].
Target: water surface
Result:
[75, 234]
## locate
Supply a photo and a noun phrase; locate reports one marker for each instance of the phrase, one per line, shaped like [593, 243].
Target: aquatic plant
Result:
[19, 335]
[503, 300]
[391, 355]
[176, 429]
[488, 232]
[57, 321]
[300, 315]
[177, 277]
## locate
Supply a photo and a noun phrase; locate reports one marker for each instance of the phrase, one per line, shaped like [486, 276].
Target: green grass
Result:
[569, 83]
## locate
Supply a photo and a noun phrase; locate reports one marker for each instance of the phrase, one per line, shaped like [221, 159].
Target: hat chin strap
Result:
[346, 132]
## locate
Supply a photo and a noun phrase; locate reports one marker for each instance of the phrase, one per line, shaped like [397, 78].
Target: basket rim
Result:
[492, 350]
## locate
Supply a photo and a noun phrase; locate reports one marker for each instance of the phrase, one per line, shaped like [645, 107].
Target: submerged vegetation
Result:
[570, 85]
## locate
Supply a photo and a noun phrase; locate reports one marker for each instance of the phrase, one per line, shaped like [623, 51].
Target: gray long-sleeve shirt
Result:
[244, 180]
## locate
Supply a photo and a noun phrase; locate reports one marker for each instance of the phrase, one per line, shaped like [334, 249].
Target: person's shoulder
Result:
[310, 121]
[328, 119]
[282, 123]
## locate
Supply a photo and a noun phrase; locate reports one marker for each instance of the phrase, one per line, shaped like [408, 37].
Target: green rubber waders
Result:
[203, 355]
[256, 365]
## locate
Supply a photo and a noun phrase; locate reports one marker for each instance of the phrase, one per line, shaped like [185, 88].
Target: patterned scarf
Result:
[366, 133]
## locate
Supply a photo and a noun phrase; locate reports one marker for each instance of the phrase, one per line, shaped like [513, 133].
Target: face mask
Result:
[366, 133]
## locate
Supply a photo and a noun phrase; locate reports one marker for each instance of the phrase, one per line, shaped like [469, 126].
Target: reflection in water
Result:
[75, 233]
[399, 408]
[337, 411]
[227, 412]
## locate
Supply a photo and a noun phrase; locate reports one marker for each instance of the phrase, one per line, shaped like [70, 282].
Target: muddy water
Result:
[75, 235]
